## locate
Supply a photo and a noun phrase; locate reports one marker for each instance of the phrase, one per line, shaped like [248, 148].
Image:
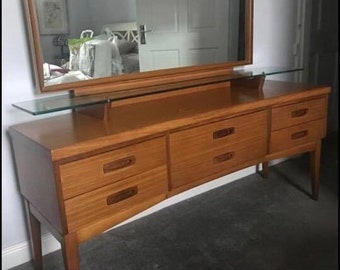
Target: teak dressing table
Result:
[131, 141]
[98, 167]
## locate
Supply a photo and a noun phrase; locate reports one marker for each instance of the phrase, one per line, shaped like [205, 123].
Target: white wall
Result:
[17, 85]
[274, 34]
[273, 38]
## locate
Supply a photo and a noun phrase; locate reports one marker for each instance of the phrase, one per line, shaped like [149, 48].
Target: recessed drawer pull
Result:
[223, 133]
[122, 195]
[224, 157]
[298, 135]
[299, 113]
[119, 164]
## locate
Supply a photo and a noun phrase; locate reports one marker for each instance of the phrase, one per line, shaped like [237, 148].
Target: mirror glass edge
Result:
[131, 81]
[34, 40]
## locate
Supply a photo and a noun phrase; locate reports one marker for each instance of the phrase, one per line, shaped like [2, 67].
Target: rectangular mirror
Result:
[102, 46]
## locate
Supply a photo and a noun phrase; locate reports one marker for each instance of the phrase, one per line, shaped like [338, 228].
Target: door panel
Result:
[184, 32]
[195, 10]
[322, 61]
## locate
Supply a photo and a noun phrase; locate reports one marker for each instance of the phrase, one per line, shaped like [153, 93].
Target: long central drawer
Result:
[223, 160]
[188, 143]
[198, 153]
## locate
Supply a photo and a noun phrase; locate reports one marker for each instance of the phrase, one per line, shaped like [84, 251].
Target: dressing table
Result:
[128, 144]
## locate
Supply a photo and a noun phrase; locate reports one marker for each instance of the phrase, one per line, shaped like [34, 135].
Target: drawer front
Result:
[186, 144]
[90, 173]
[116, 199]
[223, 159]
[297, 135]
[297, 113]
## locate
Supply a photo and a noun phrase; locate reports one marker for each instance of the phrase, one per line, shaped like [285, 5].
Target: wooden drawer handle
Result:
[119, 164]
[298, 135]
[223, 133]
[224, 157]
[299, 113]
[122, 195]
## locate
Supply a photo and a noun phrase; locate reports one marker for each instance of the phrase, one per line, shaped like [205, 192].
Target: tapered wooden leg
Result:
[264, 171]
[315, 169]
[70, 252]
[35, 231]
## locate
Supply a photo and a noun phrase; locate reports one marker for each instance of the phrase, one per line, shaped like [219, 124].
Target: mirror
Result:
[115, 45]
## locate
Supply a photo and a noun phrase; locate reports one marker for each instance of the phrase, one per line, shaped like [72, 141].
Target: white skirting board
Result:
[20, 253]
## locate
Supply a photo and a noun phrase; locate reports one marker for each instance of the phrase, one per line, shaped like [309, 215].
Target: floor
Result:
[249, 224]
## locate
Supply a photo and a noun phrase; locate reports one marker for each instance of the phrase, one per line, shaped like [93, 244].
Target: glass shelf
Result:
[57, 103]
[257, 71]
[68, 102]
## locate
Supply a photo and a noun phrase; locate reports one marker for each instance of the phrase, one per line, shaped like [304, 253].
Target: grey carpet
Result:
[249, 224]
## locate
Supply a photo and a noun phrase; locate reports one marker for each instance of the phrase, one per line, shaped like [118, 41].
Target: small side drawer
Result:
[220, 160]
[116, 199]
[297, 135]
[90, 173]
[297, 113]
[187, 143]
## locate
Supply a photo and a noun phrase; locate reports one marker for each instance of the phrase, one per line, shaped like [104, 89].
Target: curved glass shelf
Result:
[69, 102]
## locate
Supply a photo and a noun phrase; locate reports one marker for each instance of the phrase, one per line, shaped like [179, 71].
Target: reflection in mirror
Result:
[156, 35]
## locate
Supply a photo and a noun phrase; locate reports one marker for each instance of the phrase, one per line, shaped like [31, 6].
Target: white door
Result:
[183, 33]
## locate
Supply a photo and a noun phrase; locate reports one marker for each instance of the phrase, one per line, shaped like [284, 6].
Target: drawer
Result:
[117, 199]
[220, 160]
[297, 135]
[187, 143]
[90, 173]
[298, 113]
